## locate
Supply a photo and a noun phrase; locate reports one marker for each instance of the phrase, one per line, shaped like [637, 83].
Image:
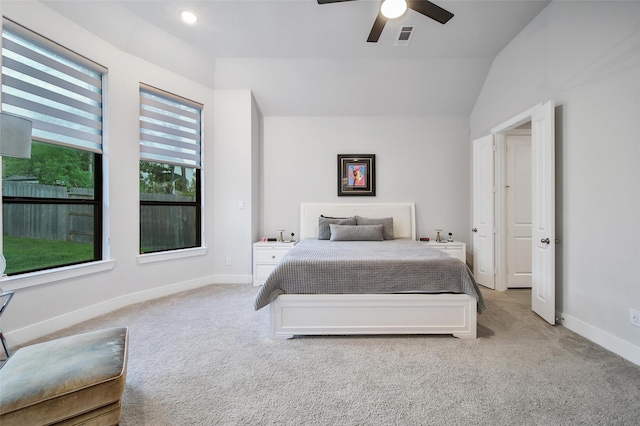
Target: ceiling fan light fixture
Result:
[189, 17]
[392, 9]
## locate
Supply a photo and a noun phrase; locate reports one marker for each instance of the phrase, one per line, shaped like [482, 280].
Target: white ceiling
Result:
[304, 59]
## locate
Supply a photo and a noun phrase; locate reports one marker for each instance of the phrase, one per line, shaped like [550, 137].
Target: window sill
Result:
[49, 276]
[171, 255]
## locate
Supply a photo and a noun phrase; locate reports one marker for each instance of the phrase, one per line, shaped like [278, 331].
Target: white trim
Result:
[34, 331]
[501, 199]
[232, 279]
[500, 237]
[49, 276]
[162, 256]
[508, 127]
[516, 121]
[608, 341]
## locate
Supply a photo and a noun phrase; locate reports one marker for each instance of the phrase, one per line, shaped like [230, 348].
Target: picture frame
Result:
[357, 174]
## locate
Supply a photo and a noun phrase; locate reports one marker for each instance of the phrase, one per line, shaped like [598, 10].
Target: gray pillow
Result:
[324, 232]
[386, 222]
[356, 233]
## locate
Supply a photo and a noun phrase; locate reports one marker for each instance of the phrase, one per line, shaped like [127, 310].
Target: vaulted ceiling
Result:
[304, 59]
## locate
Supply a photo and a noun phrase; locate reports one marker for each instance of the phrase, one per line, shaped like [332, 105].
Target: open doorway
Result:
[516, 146]
[490, 247]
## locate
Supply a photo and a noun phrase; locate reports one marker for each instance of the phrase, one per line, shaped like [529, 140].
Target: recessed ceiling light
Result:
[189, 17]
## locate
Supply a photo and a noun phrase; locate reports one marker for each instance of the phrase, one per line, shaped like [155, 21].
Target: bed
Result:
[393, 286]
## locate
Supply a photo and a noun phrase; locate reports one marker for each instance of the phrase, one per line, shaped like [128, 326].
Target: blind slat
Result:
[24, 86]
[147, 139]
[63, 97]
[46, 77]
[177, 121]
[190, 112]
[51, 63]
[169, 131]
[48, 111]
[169, 153]
[165, 122]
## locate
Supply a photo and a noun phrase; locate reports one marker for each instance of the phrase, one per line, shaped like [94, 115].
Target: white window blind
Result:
[58, 90]
[170, 128]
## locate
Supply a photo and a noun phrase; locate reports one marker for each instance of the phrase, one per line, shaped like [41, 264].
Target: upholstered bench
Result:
[72, 380]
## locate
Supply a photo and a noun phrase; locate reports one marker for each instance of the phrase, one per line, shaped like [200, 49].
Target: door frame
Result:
[501, 199]
[499, 133]
[543, 239]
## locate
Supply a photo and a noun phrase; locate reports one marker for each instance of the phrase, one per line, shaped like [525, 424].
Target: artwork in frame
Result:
[356, 174]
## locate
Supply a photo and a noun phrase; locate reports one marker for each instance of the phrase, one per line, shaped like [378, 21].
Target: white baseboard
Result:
[616, 345]
[232, 279]
[24, 335]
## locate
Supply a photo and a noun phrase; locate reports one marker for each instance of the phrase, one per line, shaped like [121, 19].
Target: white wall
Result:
[59, 299]
[585, 56]
[235, 134]
[420, 159]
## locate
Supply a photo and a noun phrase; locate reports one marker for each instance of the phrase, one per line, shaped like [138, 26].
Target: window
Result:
[170, 175]
[52, 202]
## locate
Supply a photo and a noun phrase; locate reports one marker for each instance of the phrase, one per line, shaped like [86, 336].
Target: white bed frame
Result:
[346, 314]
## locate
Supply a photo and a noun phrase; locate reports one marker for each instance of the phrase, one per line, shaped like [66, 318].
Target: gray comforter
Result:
[366, 267]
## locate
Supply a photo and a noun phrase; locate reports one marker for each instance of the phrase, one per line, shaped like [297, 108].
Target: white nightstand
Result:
[455, 249]
[266, 256]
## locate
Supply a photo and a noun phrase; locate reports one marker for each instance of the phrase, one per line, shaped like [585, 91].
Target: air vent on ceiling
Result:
[404, 36]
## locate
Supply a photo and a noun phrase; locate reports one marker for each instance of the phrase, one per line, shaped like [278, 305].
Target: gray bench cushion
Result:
[65, 378]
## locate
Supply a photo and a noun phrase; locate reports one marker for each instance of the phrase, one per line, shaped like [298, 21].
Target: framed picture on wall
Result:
[356, 174]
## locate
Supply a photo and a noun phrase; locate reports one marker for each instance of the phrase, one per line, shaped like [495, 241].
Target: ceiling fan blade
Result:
[332, 1]
[377, 28]
[430, 10]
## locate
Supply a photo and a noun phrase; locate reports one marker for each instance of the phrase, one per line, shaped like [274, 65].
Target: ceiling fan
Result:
[391, 9]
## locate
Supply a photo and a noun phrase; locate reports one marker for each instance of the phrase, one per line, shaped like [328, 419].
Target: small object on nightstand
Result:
[292, 240]
[450, 237]
[438, 239]
[281, 236]
[424, 239]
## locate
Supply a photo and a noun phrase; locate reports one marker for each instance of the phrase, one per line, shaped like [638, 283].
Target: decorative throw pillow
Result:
[386, 222]
[324, 231]
[356, 233]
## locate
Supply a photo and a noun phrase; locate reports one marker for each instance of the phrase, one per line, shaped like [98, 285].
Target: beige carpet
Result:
[204, 358]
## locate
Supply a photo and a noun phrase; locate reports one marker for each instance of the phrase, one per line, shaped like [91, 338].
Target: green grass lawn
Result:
[28, 254]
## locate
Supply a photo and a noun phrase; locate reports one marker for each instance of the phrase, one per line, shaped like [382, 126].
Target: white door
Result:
[543, 284]
[483, 211]
[518, 210]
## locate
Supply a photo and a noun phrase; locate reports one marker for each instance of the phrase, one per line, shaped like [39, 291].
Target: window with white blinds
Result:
[59, 91]
[170, 128]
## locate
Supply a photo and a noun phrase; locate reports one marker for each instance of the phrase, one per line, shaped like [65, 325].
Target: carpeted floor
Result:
[204, 357]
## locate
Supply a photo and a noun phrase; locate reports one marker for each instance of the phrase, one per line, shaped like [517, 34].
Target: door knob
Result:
[545, 240]
[475, 229]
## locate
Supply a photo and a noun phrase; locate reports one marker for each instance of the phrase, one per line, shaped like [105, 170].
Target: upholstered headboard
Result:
[403, 213]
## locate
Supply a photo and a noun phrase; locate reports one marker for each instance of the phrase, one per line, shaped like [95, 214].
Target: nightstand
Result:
[266, 255]
[455, 249]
